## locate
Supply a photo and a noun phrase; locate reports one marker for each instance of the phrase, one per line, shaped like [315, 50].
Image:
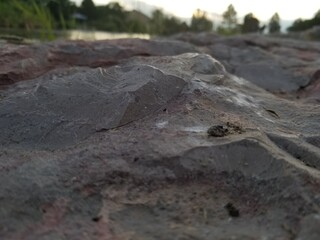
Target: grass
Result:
[27, 16]
[36, 16]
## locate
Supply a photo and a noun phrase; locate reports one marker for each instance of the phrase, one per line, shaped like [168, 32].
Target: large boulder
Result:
[165, 142]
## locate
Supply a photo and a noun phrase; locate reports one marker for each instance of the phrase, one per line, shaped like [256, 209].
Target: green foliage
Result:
[174, 25]
[136, 26]
[61, 11]
[250, 24]
[88, 9]
[165, 25]
[230, 23]
[36, 17]
[302, 25]
[29, 15]
[8, 15]
[230, 17]
[200, 22]
[274, 24]
[137, 22]
[46, 15]
[111, 17]
[157, 22]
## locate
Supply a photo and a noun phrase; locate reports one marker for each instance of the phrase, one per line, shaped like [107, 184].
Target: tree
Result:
[230, 17]
[229, 24]
[274, 24]
[302, 25]
[157, 22]
[137, 22]
[161, 24]
[173, 25]
[88, 9]
[200, 22]
[111, 17]
[62, 11]
[250, 24]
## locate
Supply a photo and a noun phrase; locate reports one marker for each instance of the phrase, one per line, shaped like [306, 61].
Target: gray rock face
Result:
[63, 110]
[270, 76]
[310, 228]
[129, 148]
[28, 62]
[265, 63]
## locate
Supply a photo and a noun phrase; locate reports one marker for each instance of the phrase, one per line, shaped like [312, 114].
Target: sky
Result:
[262, 9]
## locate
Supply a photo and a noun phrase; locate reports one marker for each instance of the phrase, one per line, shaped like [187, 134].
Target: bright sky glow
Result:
[263, 9]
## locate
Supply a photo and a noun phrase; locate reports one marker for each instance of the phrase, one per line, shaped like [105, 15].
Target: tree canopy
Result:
[230, 17]
[200, 22]
[229, 24]
[301, 25]
[88, 9]
[274, 24]
[250, 24]
[64, 14]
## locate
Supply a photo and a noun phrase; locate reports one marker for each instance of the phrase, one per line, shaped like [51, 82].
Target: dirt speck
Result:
[217, 131]
[232, 210]
[224, 130]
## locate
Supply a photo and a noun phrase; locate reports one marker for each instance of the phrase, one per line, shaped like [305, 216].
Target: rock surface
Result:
[196, 137]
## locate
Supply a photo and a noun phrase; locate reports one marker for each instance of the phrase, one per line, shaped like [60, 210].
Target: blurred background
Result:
[102, 19]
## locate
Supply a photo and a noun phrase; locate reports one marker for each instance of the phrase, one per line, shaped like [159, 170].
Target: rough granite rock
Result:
[118, 139]
[310, 228]
[27, 62]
